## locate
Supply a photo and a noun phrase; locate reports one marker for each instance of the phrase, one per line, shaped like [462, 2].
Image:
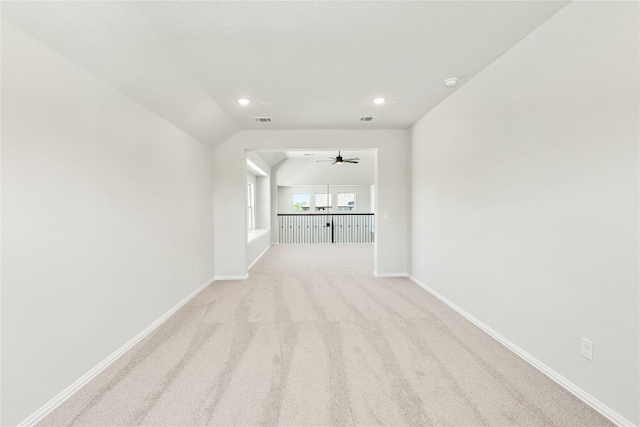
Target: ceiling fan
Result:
[339, 160]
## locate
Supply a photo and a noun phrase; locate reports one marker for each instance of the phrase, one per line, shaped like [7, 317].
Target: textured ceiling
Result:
[318, 65]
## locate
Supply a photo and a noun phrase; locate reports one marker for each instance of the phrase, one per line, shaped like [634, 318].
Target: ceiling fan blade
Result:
[339, 160]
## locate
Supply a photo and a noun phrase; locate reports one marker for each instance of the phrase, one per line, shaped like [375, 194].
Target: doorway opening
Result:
[316, 200]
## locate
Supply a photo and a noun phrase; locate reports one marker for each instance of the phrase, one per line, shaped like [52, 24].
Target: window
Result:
[251, 201]
[346, 201]
[323, 201]
[301, 202]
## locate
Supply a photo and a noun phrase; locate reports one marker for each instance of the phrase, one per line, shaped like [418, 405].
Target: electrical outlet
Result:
[422, 264]
[586, 349]
[385, 215]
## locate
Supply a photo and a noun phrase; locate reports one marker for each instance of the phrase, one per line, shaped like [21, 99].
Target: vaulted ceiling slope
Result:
[305, 65]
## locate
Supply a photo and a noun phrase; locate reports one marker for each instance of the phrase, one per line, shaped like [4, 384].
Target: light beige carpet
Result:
[313, 338]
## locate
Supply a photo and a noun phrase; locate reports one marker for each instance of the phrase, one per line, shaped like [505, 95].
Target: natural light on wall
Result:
[257, 201]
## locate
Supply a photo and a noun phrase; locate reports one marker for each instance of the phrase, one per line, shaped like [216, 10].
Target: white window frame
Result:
[347, 201]
[305, 207]
[322, 201]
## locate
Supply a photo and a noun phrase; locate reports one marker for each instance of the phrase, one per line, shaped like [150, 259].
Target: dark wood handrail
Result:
[324, 214]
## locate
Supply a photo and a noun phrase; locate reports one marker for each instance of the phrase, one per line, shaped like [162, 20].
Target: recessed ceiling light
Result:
[243, 101]
[451, 82]
[379, 101]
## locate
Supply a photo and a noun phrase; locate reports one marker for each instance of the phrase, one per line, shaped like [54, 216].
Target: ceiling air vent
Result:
[262, 119]
[368, 118]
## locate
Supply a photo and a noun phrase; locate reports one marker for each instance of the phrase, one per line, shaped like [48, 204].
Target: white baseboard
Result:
[245, 277]
[376, 274]
[45, 410]
[562, 381]
[259, 256]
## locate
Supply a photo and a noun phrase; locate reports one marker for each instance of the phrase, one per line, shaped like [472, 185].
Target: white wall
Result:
[263, 202]
[107, 221]
[257, 245]
[310, 172]
[525, 198]
[263, 191]
[393, 189]
[251, 179]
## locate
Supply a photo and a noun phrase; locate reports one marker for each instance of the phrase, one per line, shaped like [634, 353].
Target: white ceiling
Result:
[324, 154]
[318, 64]
[272, 157]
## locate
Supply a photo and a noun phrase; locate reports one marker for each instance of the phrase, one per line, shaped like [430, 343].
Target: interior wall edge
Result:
[260, 256]
[224, 133]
